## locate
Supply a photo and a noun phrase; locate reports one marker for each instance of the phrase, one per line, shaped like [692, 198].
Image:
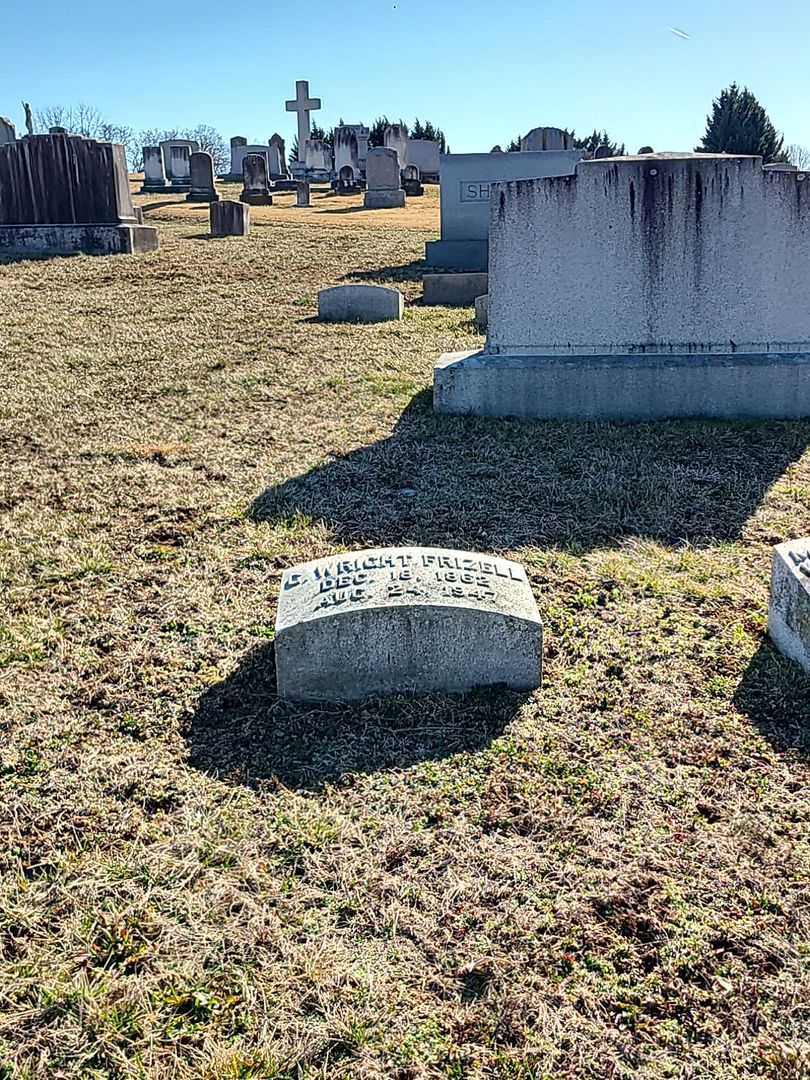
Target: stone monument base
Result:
[382, 199]
[157, 189]
[457, 254]
[202, 196]
[644, 386]
[256, 200]
[36, 240]
[283, 185]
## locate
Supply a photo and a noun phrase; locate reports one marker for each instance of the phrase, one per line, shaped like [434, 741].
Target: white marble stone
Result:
[154, 175]
[360, 303]
[425, 155]
[303, 105]
[789, 612]
[180, 166]
[166, 148]
[396, 138]
[405, 620]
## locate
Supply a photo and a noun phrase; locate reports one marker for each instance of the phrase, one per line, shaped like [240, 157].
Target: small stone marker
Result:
[481, 313]
[405, 620]
[411, 181]
[360, 303]
[789, 613]
[453, 290]
[302, 193]
[202, 178]
[229, 218]
[255, 187]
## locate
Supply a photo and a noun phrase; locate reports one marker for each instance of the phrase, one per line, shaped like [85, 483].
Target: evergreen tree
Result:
[596, 139]
[738, 124]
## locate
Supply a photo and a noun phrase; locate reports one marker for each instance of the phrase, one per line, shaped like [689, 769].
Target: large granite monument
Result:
[466, 181]
[405, 620]
[64, 195]
[668, 285]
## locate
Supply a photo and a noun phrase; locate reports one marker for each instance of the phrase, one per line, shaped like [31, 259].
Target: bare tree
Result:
[799, 155]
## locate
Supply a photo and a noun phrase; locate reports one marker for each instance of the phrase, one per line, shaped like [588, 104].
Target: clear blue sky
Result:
[484, 70]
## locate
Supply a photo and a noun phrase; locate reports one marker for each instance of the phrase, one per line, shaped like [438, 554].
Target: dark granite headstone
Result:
[202, 178]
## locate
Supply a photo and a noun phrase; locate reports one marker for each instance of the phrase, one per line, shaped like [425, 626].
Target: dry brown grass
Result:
[605, 879]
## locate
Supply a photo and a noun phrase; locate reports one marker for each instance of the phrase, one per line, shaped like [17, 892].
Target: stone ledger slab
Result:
[405, 620]
[789, 612]
[360, 303]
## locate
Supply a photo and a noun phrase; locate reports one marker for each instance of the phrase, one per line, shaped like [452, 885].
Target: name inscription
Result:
[474, 191]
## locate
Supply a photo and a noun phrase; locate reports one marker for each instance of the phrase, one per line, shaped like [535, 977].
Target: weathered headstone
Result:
[789, 612]
[8, 133]
[360, 303]
[411, 620]
[318, 159]
[481, 313]
[181, 167]
[425, 155]
[347, 183]
[396, 138]
[466, 181]
[166, 148]
[255, 189]
[154, 175]
[63, 194]
[279, 146]
[411, 182]
[229, 218]
[302, 193]
[644, 287]
[383, 183]
[347, 152]
[203, 189]
[303, 105]
[602, 152]
[238, 151]
[547, 138]
[646, 150]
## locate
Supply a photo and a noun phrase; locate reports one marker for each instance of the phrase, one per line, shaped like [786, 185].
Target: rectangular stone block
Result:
[457, 254]
[636, 387]
[382, 199]
[229, 218]
[405, 620]
[454, 290]
[360, 303]
[46, 240]
[789, 612]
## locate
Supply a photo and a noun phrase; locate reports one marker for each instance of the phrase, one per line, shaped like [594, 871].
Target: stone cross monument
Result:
[303, 104]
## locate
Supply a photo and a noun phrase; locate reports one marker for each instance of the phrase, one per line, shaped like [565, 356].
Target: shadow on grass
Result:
[774, 694]
[411, 271]
[244, 734]
[500, 484]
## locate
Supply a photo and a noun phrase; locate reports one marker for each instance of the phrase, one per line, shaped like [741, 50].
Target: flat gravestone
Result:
[405, 620]
[789, 614]
[360, 303]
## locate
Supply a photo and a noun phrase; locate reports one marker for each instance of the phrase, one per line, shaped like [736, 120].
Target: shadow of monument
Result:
[242, 733]
[774, 694]
[411, 271]
[487, 484]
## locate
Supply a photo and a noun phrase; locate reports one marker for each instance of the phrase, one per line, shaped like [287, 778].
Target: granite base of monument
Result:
[789, 611]
[157, 189]
[457, 254]
[256, 200]
[405, 621]
[453, 290]
[644, 386]
[36, 240]
[381, 199]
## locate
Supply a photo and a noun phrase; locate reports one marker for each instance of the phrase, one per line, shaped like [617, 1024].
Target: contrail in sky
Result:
[679, 33]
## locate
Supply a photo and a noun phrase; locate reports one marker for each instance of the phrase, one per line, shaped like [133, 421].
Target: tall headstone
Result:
[154, 175]
[789, 611]
[166, 148]
[278, 162]
[256, 189]
[396, 138]
[413, 620]
[8, 133]
[644, 287]
[383, 180]
[303, 105]
[238, 142]
[181, 167]
[203, 189]
[547, 138]
[229, 218]
[63, 194]
[347, 152]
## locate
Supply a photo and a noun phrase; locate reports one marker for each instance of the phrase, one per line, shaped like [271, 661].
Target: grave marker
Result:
[789, 611]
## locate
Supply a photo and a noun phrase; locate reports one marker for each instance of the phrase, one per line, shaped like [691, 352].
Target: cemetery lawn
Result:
[609, 878]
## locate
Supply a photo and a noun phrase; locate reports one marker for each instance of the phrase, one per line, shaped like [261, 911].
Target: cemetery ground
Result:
[607, 878]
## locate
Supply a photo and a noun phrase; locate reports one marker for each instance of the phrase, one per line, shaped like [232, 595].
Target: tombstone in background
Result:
[238, 151]
[63, 194]
[547, 138]
[413, 620]
[466, 181]
[360, 303]
[363, 134]
[8, 133]
[396, 138]
[203, 188]
[303, 105]
[425, 154]
[347, 151]
[602, 152]
[411, 182]
[166, 149]
[383, 180]
[644, 287]
[646, 150]
[229, 218]
[278, 144]
[317, 160]
[181, 168]
[496, 149]
[255, 188]
[789, 609]
[154, 175]
[347, 182]
[302, 193]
